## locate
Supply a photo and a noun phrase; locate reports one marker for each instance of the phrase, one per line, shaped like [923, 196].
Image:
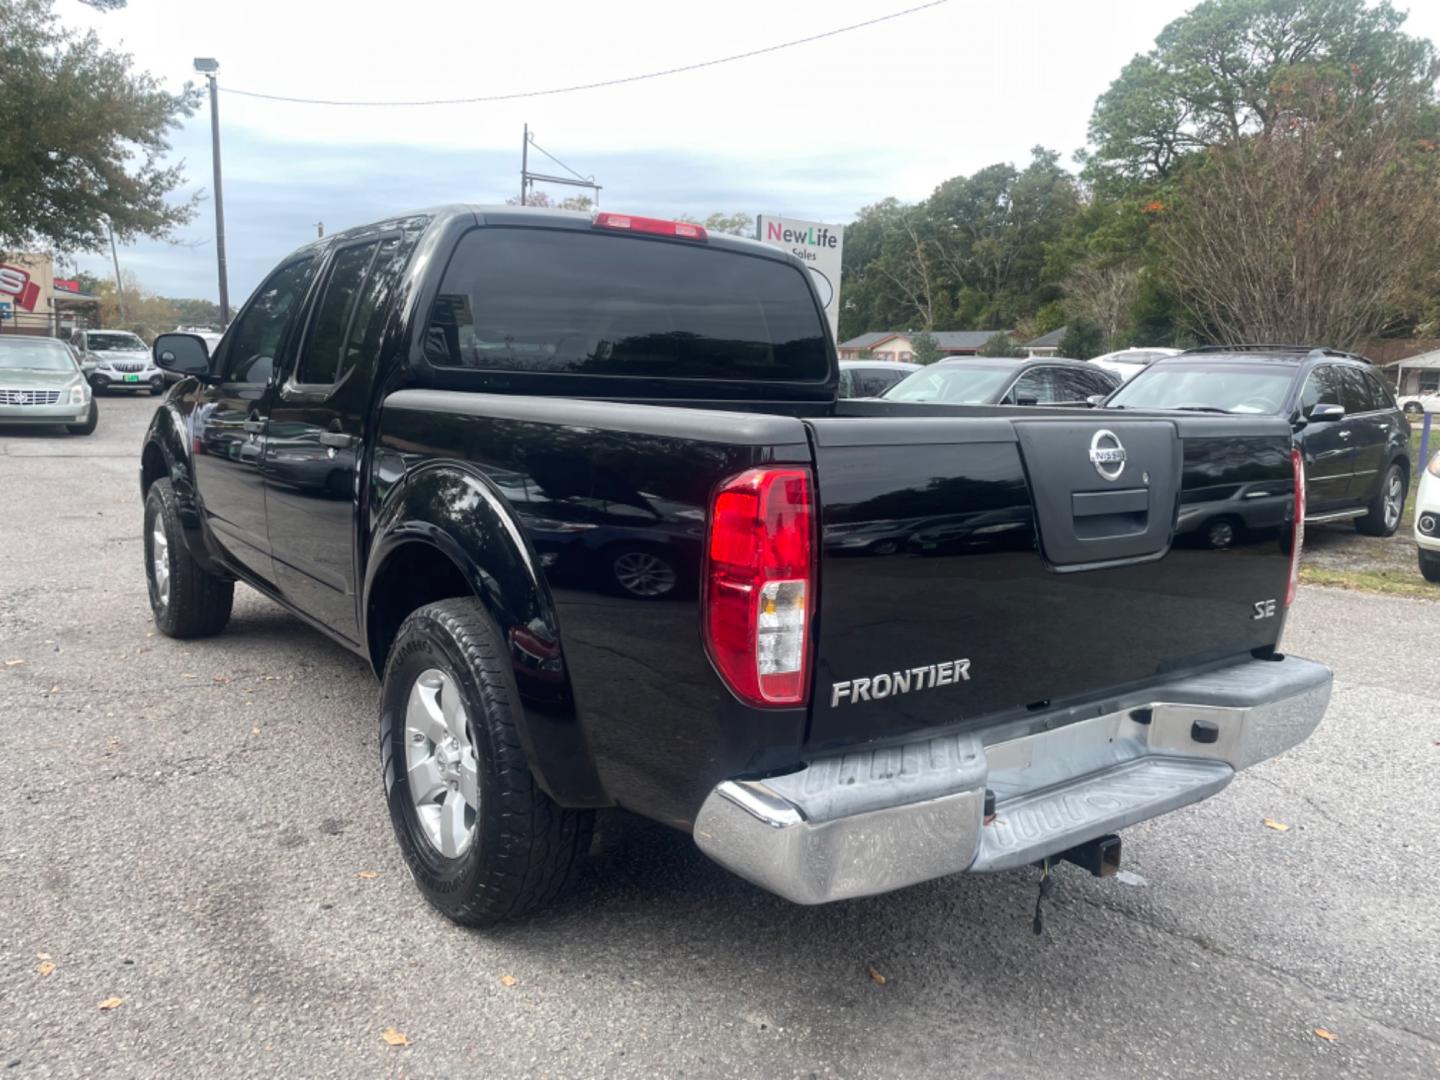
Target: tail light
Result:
[1297, 537]
[681, 230]
[759, 585]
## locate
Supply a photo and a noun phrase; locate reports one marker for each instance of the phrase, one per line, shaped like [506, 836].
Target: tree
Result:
[583, 203]
[736, 224]
[84, 138]
[143, 312]
[1219, 73]
[1311, 232]
[1002, 344]
[927, 349]
[1082, 340]
[1103, 296]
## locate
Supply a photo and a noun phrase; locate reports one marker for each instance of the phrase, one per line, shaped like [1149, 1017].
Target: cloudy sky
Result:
[816, 131]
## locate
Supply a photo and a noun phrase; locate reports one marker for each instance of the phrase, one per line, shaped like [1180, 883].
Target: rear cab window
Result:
[564, 302]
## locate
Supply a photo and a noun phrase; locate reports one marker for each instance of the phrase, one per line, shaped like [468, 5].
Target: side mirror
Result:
[184, 354]
[1326, 413]
[1027, 399]
[1096, 400]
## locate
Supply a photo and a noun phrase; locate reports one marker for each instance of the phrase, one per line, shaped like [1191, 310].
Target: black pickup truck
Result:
[582, 492]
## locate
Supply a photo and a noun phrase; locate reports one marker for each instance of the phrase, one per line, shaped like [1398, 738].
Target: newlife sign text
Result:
[819, 245]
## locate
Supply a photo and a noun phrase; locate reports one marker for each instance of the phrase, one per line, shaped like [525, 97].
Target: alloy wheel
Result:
[1394, 498]
[641, 573]
[160, 562]
[440, 763]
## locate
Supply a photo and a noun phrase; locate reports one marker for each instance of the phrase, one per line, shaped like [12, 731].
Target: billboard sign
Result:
[15, 284]
[816, 244]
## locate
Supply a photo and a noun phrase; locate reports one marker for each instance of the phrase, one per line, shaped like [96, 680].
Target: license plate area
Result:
[132, 378]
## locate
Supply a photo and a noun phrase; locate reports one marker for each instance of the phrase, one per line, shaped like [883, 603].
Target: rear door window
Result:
[560, 301]
[1380, 396]
[1356, 391]
[1037, 385]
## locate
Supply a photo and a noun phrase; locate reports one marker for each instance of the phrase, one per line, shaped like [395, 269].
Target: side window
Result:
[320, 360]
[1322, 387]
[1356, 391]
[847, 382]
[872, 383]
[1037, 383]
[1098, 382]
[1380, 396]
[260, 332]
[1070, 385]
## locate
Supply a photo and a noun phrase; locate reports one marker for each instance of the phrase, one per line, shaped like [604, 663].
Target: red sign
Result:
[16, 282]
[67, 284]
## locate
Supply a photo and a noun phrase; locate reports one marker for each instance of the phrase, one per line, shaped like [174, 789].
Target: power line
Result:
[595, 85]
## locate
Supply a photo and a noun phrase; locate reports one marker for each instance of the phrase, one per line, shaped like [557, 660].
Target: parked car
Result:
[1354, 438]
[1127, 363]
[119, 361]
[1416, 405]
[40, 383]
[505, 380]
[1427, 520]
[984, 380]
[871, 378]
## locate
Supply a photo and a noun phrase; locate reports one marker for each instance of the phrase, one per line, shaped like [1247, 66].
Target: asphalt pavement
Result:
[198, 830]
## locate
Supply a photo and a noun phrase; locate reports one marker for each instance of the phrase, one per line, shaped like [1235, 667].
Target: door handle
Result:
[337, 439]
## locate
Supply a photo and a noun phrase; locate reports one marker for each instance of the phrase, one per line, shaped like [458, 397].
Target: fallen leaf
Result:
[508, 980]
[111, 1003]
[45, 967]
[879, 979]
[55, 689]
[43, 956]
[1328, 1036]
[187, 674]
[394, 1038]
[368, 875]
[254, 731]
[1278, 826]
[13, 663]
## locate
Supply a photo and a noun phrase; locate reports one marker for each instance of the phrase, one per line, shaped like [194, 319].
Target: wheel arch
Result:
[445, 532]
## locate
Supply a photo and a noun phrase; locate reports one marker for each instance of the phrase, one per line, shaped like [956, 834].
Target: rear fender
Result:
[455, 511]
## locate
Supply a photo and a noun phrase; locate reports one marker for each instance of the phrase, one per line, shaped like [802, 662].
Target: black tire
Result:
[1430, 565]
[88, 427]
[525, 849]
[199, 602]
[1413, 408]
[1374, 522]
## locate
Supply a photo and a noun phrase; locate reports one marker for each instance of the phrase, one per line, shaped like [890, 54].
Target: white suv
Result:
[1416, 404]
[118, 360]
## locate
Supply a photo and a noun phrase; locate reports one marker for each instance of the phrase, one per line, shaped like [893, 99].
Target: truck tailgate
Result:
[976, 565]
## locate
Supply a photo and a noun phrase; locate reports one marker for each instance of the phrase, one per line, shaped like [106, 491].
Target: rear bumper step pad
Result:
[868, 822]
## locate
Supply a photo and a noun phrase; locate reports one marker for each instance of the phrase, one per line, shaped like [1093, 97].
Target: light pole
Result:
[207, 66]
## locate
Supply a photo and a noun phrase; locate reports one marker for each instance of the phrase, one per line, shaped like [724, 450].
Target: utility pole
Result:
[119, 285]
[524, 164]
[207, 66]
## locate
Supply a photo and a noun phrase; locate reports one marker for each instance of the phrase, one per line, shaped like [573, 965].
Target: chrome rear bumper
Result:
[877, 820]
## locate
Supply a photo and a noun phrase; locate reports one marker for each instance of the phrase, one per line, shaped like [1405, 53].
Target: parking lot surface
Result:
[198, 830]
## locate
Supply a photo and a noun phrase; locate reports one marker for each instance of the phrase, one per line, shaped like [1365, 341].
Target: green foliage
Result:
[192, 312]
[83, 138]
[1082, 340]
[1001, 344]
[1220, 73]
[927, 349]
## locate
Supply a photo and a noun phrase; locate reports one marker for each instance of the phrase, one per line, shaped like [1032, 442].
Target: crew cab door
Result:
[1327, 445]
[313, 447]
[230, 418]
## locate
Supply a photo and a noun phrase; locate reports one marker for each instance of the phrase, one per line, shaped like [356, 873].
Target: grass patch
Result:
[1387, 582]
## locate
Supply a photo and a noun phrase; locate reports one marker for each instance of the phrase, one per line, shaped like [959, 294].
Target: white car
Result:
[1416, 404]
[1127, 363]
[117, 360]
[1427, 520]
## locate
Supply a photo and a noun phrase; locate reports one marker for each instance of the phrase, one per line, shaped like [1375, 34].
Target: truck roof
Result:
[542, 217]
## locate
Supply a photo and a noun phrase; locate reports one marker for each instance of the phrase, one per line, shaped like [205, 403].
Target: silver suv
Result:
[118, 360]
